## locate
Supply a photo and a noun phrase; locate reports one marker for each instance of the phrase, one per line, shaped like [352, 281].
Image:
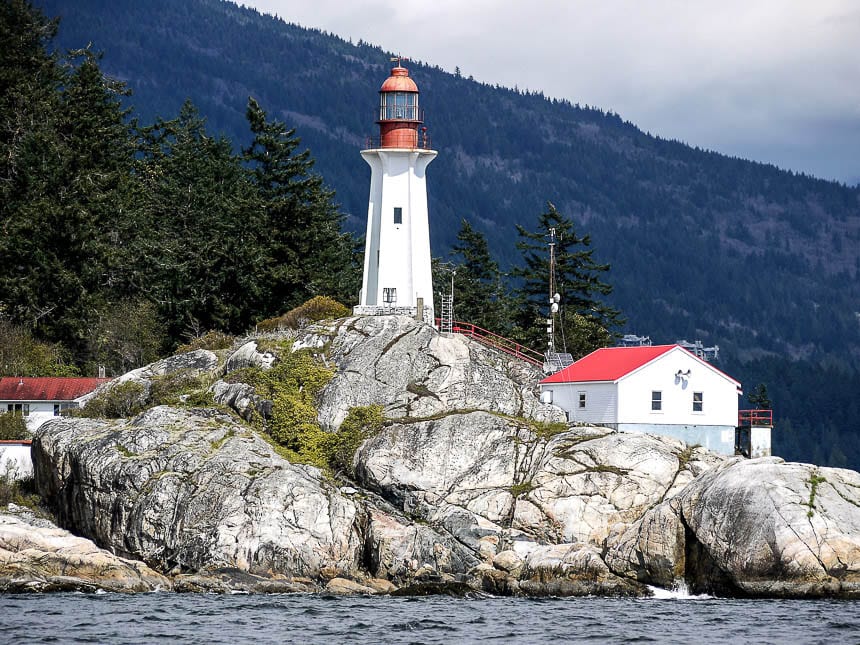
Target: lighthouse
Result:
[397, 276]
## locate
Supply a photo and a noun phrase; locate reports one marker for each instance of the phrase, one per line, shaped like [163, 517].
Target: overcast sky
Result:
[772, 80]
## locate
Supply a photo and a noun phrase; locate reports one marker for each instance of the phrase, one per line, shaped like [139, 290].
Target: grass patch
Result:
[420, 390]
[521, 489]
[686, 455]
[220, 442]
[182, 387]
[603, 468]
[125, 452]
[211, 340]
[814, 481]
[548, 429]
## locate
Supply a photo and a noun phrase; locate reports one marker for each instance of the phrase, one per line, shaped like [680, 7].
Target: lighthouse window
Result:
[398, 215]
[389, 295]
[399, 105]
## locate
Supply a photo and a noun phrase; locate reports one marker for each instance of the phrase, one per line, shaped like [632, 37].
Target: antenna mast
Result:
[553, 296]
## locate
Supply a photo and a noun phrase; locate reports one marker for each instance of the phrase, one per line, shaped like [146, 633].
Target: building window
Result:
[26, 409]
[19, 408]
[656, 400]
[389, 295]
[698, 401]
[56, 409]
[398, 215]
[582, 400]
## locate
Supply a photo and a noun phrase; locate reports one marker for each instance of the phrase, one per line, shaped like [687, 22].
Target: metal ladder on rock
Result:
[446, 320]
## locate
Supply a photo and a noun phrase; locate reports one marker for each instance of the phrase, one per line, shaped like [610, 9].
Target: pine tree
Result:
[586, 321]
[305, 252]
[479, 295]
[759, 398]
[197, 253]
[62, 193]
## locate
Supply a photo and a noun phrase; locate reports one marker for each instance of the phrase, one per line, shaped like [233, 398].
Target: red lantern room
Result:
[399, 116]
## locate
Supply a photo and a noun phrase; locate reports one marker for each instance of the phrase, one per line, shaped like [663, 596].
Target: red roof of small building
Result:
[399, 81]
[15, 388]
[608, 364]
[613, 363]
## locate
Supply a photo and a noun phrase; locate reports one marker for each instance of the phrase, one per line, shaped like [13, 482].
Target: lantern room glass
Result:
[395, 106]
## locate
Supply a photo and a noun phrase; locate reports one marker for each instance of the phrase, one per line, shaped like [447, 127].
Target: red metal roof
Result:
[613, 363]
[399, 81]
[608, 364]
[14, 388]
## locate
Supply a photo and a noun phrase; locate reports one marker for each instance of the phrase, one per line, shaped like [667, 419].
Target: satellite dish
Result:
[556, 298]
[554, 307]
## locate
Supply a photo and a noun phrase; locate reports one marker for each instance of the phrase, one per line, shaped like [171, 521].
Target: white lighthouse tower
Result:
[397, 276]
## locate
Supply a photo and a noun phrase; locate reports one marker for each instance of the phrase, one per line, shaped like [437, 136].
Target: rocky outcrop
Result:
[199, 364]
[36, 555]
[471, 483]
[416, 372]
[194, 489]
[493, 481]
[761, 527]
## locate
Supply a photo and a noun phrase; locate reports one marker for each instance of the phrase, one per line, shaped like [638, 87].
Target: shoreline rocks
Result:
[471, 485]
[36, 556]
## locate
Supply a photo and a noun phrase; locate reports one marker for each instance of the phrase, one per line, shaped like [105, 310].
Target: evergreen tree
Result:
[586, 322]
[478, 292]
[759, 398]
[198, 254]
[305, 252]
[61, 198]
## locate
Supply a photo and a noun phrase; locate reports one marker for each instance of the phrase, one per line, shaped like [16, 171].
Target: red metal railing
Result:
[755, 418]
[495, 341]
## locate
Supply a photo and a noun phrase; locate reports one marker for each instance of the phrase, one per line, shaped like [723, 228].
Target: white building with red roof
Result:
[660, 389]
[43, 398]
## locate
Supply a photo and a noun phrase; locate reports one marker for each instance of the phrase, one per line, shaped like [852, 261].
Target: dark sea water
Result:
[300, 618]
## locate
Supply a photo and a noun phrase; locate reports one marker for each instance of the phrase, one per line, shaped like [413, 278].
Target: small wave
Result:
[679, 591]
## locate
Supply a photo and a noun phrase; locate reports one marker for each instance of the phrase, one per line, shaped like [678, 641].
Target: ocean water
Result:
[315, 618]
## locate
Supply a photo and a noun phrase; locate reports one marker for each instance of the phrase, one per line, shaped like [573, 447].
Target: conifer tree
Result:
[304, 249]
[66, 148]
[479, 294]
[197, 253]
[586, 321]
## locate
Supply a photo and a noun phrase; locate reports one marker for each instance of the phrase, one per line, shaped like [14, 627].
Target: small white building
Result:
[43, 398]
[660, 389]
[15, 459]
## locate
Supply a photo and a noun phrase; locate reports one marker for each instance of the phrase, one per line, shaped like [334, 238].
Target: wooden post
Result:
[419, 312]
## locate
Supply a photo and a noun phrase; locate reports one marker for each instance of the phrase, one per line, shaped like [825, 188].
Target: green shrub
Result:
[13, 427]
[119, 401]
[249, 375]
[21, 492]
[317, 308]
[169, 389]
[211, 340]
[360, 424]
[293, 385]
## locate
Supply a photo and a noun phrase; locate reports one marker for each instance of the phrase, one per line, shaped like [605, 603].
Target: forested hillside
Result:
[761, 261]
